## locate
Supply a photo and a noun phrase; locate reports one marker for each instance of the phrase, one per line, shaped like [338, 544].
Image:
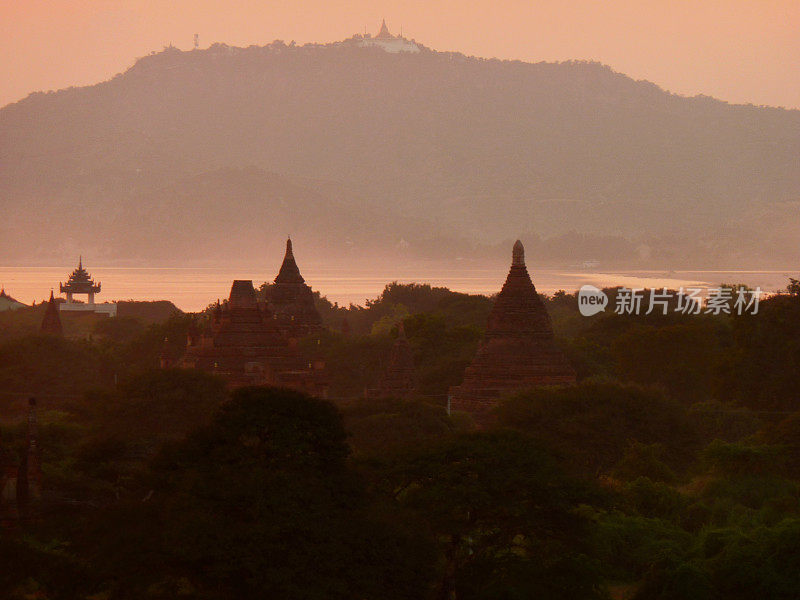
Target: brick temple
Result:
[244, 344]
[518, 350]
[399, 379]
[51, 322]
[291, 300]
[252, 342]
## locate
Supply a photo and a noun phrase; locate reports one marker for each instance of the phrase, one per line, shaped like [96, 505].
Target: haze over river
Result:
[193, 288]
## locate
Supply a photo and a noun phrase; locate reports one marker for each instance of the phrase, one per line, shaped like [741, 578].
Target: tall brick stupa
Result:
[518, 350]
[291, 300]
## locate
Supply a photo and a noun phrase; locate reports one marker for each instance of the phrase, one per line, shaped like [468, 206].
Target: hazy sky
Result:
[736, 50]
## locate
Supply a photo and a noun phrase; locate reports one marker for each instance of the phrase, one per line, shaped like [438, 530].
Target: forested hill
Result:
[480, 148]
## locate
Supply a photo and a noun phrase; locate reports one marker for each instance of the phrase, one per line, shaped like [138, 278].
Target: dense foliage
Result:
[670, 471]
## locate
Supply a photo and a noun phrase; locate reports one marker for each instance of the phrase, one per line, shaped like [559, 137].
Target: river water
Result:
[193, 288]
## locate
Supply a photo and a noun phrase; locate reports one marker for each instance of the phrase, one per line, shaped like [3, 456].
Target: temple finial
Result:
[80, 261]
[518, 254]
[383, 34]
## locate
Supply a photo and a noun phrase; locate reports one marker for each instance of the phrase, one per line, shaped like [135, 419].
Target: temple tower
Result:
[51, 323]
[400, 377]
[384, 34]
[80, 282]
[244, 344]
[388, 42]
[165, 356]
[291, 301]
[518, 350]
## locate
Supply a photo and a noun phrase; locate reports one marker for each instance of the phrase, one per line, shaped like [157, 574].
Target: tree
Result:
[592, 424]
[262, 503]
[505, 516]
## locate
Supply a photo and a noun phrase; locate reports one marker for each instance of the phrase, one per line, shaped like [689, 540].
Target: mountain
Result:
[189, 154]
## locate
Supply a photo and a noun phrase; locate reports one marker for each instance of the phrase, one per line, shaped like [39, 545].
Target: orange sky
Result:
[736, 50]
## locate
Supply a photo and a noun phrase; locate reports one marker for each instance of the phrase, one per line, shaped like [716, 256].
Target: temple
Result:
[388, 42]
[81, 283]
[51, 323]
[7, 302]
[291, 300]
[245, 345]
[399, 379]
[518, 350]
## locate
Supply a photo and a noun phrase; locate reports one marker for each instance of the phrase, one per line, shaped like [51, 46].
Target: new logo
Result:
[591, 300]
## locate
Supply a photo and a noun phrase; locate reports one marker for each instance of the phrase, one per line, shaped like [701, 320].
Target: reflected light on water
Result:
[193, 288]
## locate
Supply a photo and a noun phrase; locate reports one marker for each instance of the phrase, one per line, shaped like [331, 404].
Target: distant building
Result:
[291, 300]
[399, 379]
[245, 345]
[51, 323]
[388, 42]
[518, 350]
[81, 283]
[7, 302]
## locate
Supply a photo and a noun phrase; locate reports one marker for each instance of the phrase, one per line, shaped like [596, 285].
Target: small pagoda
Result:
[400, 377]
[51, 323]
[80, 282]
[518, 350]
[291, 300]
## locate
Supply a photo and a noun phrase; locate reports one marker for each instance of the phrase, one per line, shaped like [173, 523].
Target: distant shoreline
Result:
[193, 288]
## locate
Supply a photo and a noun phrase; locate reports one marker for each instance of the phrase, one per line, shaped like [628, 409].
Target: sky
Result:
[742, 51]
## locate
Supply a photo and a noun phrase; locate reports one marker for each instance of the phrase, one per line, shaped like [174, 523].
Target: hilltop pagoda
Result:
[400, 377]
[80, 282]
[291, 300]
[388, 42]
[244, 345]
[518, 350]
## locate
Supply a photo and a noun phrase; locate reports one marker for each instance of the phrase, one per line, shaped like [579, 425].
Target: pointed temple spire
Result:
[51, 323]
[292, 301]
[518, 350]
[384, 32]
[518, 254]
[289, 272]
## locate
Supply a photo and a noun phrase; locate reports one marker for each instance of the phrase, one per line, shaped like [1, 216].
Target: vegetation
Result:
[670, 471]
